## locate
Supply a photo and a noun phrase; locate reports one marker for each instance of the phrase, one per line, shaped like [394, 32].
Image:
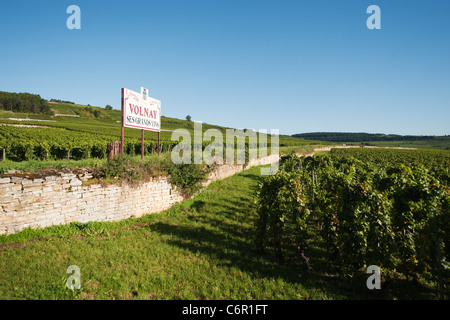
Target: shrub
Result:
[121, 168]
[188, 177]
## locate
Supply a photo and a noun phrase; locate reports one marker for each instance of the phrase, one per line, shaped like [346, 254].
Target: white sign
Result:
[141, 111]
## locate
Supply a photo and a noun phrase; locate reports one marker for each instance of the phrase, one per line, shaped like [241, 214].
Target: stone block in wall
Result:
[28, 201]
[68, 176]
[5, 180]
[12, 206]
[76, 188]
[50, 178]
[7, 198]
[57, 188]
[57, 205]
[5, 188]
[16, 180]
[13, 188]
[26, 181]
[25, 218]
[76, 182]
[46, 189]
[32, 187]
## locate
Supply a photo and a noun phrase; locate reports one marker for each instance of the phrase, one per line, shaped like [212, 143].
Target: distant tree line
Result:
[61, 101]
[24, 102]
[358, 137]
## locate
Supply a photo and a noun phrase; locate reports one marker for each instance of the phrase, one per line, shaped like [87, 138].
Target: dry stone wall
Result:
[59, 197]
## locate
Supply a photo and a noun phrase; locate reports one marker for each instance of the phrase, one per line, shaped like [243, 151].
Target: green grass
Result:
[69, 108]
[443, 144]
[36, 165]
[199, 249]
[296, 149]
[321, 153]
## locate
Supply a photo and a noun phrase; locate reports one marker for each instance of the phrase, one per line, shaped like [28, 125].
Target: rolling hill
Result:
[380, 139]
[70, 130]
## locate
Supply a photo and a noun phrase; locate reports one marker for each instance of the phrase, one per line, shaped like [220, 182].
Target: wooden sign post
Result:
[123, 123]
[158, 148]
[113, 150]
[142, 144]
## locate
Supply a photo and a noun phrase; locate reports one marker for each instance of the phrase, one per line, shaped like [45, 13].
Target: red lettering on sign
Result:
[143, 112]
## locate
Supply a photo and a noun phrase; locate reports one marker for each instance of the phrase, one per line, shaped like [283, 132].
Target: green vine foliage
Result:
[363, 212]
[283, 219]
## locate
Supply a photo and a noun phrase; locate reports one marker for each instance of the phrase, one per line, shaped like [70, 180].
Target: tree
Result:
[108, 107]
[188, 118]
[24, 102]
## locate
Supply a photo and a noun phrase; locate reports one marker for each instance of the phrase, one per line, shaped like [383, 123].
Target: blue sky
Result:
[297, 66]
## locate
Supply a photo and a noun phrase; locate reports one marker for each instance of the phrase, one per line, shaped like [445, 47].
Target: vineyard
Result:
[24, 143]
[389, 208]
[84, 132]
[28, 143]
[436, 161]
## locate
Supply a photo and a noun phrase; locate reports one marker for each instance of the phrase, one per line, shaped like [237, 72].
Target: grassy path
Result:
[199, 249]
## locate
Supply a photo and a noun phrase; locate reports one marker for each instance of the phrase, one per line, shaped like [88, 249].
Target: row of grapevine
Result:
[26, 143]
[23, 143]
[364, 213]
[437, 161]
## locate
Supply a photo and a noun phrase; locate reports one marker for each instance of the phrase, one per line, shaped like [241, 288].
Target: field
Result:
[443, 144]
[381, 140]
[307, 232]
[81, 132]
[202, 248]
[436, 161]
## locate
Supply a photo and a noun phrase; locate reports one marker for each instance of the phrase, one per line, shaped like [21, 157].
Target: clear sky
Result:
[297, 66]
